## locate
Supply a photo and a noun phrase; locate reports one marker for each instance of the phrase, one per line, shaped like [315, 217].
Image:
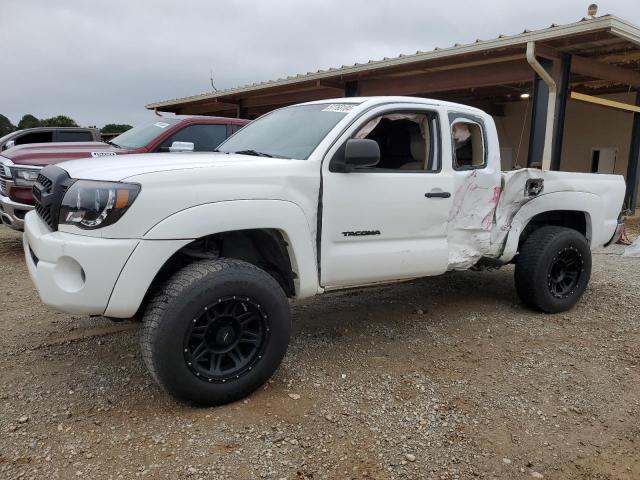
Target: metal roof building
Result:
[564, 97]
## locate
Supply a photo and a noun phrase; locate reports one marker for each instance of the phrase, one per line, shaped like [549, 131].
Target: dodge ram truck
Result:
[19, 166]
[310, 198]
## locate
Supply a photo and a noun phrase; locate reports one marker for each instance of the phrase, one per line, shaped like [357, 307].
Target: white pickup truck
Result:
[309, 198]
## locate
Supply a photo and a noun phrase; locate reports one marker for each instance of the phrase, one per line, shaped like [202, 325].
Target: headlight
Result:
[25, 177]
[89, 204]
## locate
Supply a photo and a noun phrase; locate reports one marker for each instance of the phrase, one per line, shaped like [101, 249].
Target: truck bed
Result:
[497, 209]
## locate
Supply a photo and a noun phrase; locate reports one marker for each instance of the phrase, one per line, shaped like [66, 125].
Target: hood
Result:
[127, 167]
[43, 154]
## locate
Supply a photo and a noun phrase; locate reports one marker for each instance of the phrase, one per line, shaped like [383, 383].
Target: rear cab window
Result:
[73, 136]
[468, 142]
[35, 137]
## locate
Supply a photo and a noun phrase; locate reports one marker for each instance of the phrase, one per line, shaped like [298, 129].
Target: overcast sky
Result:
[101, 62]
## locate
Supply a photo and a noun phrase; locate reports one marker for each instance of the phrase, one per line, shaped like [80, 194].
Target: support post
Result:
[351, 88]
[539, 102]
[633, 169]
[242, 112]
[561, 108]
[543, 113]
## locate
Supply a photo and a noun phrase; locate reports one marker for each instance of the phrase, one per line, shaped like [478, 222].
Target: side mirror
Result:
[9, 144]
[361, 153]
[182, 147]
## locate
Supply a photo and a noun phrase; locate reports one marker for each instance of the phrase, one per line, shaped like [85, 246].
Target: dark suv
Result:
[19, 166]
[49, 135]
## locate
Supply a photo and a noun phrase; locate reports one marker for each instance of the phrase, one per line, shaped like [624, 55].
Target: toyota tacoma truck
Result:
[20, 165]
[307, 199]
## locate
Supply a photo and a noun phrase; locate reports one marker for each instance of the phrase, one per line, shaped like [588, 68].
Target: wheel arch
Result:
[262, 225]
[576, 210]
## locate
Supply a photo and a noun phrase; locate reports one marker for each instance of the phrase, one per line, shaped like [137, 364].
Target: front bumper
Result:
[73, 273]
[13, 213]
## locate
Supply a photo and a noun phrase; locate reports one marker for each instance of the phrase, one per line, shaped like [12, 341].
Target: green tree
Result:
[59, 121]
[115, 128]
[5, 126]
[28, 121]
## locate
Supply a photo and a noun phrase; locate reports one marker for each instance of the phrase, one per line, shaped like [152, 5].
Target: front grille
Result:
[3, 187]
[44, 181]
[48, 192]
[45, 214]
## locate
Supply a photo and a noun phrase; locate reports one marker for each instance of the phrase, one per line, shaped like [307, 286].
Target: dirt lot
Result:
[444, 378]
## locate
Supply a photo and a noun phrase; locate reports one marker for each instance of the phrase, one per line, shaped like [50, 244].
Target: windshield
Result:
[140, 136]
[292, 132]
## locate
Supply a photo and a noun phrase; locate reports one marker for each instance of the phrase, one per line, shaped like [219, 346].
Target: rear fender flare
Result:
[587, 203]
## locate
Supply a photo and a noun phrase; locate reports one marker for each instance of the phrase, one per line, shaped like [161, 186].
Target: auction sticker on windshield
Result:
[339, 108]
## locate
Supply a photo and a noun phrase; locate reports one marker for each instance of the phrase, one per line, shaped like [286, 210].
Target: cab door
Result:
[387, 222]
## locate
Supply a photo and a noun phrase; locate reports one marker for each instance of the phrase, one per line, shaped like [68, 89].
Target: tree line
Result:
[30, 121]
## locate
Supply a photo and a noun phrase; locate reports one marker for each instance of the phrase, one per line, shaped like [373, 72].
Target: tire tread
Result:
[531, 258]
[171, 290]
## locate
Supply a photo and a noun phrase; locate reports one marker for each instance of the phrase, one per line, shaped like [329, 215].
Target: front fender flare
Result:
[284, 216]
[166, 237]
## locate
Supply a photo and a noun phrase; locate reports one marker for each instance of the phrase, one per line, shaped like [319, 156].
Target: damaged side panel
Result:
[481, 216]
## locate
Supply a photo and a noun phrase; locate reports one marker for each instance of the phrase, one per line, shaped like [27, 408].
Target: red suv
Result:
[19, 166]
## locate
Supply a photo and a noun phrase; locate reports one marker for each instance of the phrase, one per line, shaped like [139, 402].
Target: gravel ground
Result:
[443, 378]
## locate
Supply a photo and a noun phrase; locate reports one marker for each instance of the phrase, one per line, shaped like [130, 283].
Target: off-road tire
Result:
[535, 265]
[167, 325]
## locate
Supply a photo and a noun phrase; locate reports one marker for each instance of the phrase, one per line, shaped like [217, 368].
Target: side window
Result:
[468, 145]
[205, 138]
[71, 136]
[35, 137]
[407, 140]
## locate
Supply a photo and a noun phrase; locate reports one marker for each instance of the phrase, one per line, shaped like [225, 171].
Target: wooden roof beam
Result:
[288, 98]
[335, 84]
[207, 107]
[592, 68]
[604, 71]
[459, 79]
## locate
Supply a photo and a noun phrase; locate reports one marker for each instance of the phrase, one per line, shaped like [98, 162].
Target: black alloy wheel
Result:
[553, 268]
[565, 271]
[216, 331]
[226, 340]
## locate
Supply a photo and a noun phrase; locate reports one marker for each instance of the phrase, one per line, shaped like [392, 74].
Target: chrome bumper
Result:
[12, 213]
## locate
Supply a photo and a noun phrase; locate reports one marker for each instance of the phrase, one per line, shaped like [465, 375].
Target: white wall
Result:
[587, 127]
[590, 126]
[513, 131]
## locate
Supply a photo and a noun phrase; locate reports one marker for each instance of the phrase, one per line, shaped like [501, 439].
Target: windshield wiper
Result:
[254, 153]
[113, 144]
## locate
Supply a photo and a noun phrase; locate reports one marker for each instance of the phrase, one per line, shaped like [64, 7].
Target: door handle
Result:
[437, 195]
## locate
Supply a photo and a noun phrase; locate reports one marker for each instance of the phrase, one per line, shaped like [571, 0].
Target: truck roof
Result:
[379, 100]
